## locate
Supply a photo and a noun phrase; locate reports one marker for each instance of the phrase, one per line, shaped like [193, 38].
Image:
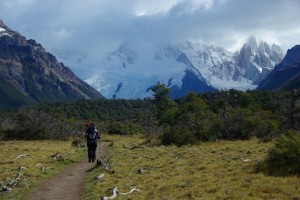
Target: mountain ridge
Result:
[26, 66]
[286, 75]
[215, 68]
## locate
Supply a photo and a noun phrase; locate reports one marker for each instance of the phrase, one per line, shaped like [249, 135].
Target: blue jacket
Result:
[92, 134]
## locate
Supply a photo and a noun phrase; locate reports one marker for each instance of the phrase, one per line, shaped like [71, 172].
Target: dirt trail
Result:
[68, 184]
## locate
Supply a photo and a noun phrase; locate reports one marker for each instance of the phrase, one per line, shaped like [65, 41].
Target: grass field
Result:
[206, 171]
[216, 170]
[41, 154]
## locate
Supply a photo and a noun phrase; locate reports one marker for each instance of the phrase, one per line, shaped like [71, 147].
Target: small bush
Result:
[177, 137]
[284, 157]
[122, 128]
[78, 142]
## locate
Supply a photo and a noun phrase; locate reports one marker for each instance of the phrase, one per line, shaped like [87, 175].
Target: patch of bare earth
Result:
[68, 184]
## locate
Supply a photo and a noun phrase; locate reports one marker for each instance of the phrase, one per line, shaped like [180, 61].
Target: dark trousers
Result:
[92, 146]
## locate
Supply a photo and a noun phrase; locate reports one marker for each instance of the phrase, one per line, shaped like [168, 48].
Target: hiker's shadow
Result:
[89, 170]
[97, 165]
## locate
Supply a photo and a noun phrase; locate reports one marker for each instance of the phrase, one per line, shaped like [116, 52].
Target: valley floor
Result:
[215, 170]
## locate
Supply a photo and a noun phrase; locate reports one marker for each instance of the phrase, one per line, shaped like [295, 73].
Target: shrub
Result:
[284, 157]
[122, 128]
[177, 137]
[78, 142]
[32, 124]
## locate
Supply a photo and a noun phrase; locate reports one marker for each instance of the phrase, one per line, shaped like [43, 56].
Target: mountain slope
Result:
[130, 73]
[36, 74]
[131, 70]
[11, 97]
[286, 75]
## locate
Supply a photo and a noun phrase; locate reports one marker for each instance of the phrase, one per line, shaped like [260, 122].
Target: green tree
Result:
[166, 108]
[196, 117]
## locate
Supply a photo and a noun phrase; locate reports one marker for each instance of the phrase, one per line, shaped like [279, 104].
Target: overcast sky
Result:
[99, 26]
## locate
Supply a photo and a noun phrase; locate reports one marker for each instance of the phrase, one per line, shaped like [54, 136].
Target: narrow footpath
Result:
[68, 184]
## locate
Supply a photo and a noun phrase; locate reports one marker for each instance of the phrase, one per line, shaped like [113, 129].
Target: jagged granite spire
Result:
[1, 23]
[256, 60]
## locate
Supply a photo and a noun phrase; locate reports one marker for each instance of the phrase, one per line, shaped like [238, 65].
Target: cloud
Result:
[95, 27]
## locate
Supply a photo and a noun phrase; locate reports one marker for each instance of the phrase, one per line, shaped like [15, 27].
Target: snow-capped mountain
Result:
[240, 70]
[131, 73]
[257, 60]
[131, 70]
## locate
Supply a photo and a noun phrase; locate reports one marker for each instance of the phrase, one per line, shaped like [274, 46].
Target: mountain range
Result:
[29, 74]
[131, 70]
[285, 75]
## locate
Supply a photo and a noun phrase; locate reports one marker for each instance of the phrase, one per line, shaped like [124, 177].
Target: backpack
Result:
[91, 135]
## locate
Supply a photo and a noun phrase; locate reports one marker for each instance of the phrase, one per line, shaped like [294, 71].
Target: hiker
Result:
[92, 136]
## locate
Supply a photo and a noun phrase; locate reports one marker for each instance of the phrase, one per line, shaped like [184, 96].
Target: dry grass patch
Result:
[220, 170]
[40, 163]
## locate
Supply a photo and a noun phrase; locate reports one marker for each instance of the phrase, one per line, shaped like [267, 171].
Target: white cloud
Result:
[62, 33]
[154, 7]
[95, 27]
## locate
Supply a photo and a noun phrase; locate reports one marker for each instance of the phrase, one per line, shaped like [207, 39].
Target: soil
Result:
[68, 184]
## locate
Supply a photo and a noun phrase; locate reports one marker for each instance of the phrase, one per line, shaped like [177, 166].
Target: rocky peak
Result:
[27, 67]
[126, 52]
[256, 60]
[251, 44]
[1, 23]
[264, 47]
[277, 49]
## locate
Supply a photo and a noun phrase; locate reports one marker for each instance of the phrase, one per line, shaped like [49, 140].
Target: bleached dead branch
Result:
[41, 166]
[126, 193]
[106, 164]
[5, 188]
[22, 155]
[115, 191]
[99, 177]
[13, 182]
[114, 195]
[246, 160]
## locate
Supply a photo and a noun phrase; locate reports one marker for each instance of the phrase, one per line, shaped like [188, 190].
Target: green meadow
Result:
[43, 160]
[211, 170]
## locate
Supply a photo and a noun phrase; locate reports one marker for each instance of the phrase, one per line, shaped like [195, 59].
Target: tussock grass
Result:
[205, 171]
[40, 153]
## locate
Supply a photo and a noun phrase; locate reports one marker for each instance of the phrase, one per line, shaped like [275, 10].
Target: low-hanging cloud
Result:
[95, 27]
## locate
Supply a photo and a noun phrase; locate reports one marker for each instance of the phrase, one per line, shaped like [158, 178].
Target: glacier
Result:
[131, 70]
